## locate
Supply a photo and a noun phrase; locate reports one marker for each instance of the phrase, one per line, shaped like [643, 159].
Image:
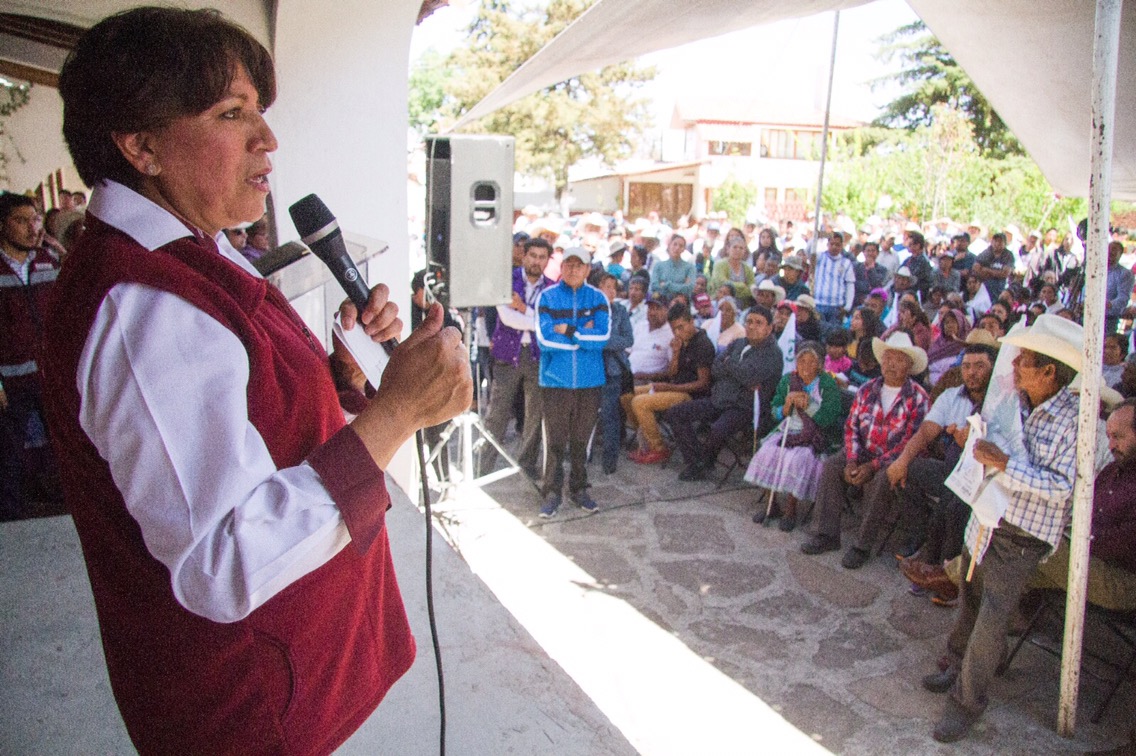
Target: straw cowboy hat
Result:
[807, 302]
[981, 336]
[901, 342]
[1055, 337]
[768, 285]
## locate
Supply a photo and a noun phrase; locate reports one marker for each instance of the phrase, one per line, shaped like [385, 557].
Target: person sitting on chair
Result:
[807, 403]
[752, 363]
[883, 418]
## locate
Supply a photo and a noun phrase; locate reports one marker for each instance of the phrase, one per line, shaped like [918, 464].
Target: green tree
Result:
[939, 171]
[930, 76]
[596, 114]
[735, 198]
[428, 76]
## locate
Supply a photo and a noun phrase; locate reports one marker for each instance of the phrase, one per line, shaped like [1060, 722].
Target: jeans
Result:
[611, 421]
[569, 417]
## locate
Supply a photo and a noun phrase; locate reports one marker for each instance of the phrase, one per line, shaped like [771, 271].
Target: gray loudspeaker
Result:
[469, 218]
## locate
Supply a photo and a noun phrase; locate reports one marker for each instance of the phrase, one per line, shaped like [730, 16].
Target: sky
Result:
[787, 61]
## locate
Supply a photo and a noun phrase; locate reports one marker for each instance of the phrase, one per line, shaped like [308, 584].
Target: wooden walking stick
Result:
[780, 469]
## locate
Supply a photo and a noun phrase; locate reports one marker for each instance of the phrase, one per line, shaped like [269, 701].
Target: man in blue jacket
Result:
[574, 326]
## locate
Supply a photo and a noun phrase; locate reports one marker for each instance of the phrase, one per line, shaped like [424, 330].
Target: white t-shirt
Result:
[888, 395]
[650, 350]
[952, 407]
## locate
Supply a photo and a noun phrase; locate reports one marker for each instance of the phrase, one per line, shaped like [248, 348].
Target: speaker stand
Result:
[465, 423]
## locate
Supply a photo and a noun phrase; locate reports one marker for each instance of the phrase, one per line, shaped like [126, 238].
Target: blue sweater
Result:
[574, 359]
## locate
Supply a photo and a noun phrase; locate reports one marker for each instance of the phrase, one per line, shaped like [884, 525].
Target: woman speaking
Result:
[232, 524]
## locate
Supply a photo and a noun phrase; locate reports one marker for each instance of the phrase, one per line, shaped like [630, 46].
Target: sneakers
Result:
[819, 544]
[551, 506]
[855, 558]
[650, 456]
[585, 502]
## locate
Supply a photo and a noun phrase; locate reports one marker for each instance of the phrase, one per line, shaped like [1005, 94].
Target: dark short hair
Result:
[986, 349]
[762, 311]
[144, 68]
[638, 281]
[917, 238]
[839, 337]
[605, 277]
[1121, 341]
[836, 235]
[679, 311]
[9, 201]
[538, 242]
[998, 235]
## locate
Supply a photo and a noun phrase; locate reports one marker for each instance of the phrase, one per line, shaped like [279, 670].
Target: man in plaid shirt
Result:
[1040, 484]
[885, 415]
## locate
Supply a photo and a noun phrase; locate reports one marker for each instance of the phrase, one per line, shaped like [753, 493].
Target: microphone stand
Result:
[464, 424]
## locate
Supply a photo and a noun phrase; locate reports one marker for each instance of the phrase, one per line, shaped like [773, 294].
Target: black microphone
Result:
[319, 230]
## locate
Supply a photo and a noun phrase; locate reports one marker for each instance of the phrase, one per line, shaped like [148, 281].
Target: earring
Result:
[152, 170]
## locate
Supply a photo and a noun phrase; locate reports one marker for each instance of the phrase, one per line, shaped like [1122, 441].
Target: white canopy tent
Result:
[1057, 72]
[1033, 61]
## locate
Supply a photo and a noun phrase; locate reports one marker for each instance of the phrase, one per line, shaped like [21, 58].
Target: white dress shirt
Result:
[162, 390]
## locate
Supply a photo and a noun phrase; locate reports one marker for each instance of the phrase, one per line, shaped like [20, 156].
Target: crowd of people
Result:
[846, 367]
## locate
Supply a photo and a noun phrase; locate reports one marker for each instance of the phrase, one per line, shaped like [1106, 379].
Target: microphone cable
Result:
[419, 438]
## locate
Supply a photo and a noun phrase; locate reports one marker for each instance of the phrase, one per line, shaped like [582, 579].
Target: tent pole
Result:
[1105, 57]
[824, 133]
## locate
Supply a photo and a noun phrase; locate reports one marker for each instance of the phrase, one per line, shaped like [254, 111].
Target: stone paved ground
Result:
[838, 653]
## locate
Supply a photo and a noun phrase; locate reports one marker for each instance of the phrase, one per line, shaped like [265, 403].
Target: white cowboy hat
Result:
[768, 285]
[1108, 395]
[807, 302]
[1055, 337]
[901, 342]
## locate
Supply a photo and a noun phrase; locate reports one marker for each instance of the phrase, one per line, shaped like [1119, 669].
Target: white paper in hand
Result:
[370, 355]
[966, 479]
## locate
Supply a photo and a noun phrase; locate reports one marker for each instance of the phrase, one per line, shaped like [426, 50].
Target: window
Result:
[790, 145]
[731, 149]
[771, 196]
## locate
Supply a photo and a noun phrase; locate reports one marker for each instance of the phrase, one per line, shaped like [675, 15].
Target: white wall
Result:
[355, 55]
[34, 142]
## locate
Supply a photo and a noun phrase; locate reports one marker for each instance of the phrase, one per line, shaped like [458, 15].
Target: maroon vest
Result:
[304, 670]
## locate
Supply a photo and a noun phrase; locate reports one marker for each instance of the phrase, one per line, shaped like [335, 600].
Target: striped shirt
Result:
[835, 281]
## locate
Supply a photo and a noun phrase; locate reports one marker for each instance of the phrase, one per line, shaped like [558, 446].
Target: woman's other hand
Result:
[426, 382]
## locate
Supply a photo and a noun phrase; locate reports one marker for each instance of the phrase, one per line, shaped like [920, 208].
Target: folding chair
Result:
[1119, 625]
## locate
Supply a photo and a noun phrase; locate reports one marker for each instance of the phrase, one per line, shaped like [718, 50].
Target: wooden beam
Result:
[19, 71]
